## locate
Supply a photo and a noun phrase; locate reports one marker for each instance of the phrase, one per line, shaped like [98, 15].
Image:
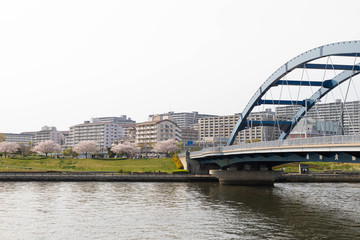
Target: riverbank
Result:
[161, 177]
[321, 177]
[103, 177]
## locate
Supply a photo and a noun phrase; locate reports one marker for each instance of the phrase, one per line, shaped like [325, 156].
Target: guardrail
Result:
[291, 142]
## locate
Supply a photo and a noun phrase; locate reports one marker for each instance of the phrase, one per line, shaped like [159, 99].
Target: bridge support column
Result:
[247, 178]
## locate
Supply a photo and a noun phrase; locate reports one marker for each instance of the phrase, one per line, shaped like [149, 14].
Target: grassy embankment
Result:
[141, 165]
[133, 165]
[321, 167]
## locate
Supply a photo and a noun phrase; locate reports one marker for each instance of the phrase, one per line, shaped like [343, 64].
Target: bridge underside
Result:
[273, 159]
[256, 169]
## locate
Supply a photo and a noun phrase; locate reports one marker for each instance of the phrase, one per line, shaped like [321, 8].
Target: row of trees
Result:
[86, 147]
[44, 147]
[168, 148]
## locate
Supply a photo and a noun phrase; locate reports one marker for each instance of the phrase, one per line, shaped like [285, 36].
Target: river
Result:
[128, 210]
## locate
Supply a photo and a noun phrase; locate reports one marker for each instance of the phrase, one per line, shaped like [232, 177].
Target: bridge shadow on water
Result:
[287, 211]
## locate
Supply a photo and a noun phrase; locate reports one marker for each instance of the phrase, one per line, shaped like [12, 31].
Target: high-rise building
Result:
[310, 127]
[123, 119]
[20, 138]
[155, 131]
[103, 133]
[189, 135]
[218, 129]
[345, 115]
[48, 133]
[183, 119]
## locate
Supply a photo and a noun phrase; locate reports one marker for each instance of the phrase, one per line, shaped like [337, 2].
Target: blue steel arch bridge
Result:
[301, 83]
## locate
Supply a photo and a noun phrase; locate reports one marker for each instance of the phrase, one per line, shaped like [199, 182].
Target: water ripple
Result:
[93, 210]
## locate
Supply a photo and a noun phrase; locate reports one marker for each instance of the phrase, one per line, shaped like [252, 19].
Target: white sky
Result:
[63, 62]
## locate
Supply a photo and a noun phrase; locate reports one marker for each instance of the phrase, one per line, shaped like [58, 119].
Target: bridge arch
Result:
[343, 49]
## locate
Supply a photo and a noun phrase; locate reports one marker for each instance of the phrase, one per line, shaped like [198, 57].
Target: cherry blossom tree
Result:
[129, 149]
[86, 147]
[47, 147]
[8, 147]
[168, 147]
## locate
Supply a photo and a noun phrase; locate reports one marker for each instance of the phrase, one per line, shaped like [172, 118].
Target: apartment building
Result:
[20, 138]
[103, 133]
[183, 119]
[310, 127]
[189, 135]
[345, 114]
[48, 133]
[218, 129]
[129, 135]
[155, 131]
[123, 119]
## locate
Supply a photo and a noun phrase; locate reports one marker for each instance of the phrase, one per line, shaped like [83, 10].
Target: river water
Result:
[118, 210]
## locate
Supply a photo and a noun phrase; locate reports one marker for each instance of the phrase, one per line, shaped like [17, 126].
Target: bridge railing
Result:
[291, 142]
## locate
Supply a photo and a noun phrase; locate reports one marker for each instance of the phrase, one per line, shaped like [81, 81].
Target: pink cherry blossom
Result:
[8, 147]
[47, 147]
[86, 147]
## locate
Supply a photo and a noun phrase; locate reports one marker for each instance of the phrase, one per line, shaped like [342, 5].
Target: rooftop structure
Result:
[183, 119]
[120, 120]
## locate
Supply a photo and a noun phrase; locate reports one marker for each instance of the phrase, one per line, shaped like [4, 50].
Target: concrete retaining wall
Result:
[105, 177]
[319, 177]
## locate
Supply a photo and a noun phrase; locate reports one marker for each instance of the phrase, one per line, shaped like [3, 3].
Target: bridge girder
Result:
[351, 48]
[274, 159]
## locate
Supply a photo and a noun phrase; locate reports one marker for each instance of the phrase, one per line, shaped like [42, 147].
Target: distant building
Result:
[20, 138]
[189, 135]
[309, 127]
[345, 114]
[155, 131]
[129, 133]
[212, 130]
[119, 120]
[103, 133]
[183, 119]
[218, 129]
[48, 133]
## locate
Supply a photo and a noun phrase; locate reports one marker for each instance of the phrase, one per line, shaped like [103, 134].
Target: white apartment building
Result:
[261, 133]
[155, 131]
[20, 138]
[218, 129]
[48, 133]
[345, 114]
[123, 119]
[183, 119]
[129, 133]
[103, 133]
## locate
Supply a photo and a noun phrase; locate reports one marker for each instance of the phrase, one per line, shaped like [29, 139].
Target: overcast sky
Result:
[63, 62]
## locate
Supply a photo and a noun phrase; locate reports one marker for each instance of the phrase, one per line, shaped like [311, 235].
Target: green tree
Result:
[69, 152]
[2, 137]
[110, 153]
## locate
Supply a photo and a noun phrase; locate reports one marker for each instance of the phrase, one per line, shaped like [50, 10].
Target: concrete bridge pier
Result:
[247, 177]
